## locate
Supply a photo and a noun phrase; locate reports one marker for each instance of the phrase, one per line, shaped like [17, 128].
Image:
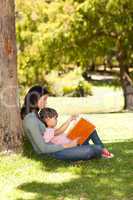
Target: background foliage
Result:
[63, 35]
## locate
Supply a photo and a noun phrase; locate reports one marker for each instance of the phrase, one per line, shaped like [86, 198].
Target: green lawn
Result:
[104, 99]
[112, 127]
[31, 177]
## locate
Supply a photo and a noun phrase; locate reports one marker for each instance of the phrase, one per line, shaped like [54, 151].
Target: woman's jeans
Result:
[83, 152]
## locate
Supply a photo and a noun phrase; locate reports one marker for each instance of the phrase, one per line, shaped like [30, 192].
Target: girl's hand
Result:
[73, 117]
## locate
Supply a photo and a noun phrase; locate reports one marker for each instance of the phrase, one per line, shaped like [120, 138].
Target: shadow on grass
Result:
[121, 151]
[49, 162]
[97, 179]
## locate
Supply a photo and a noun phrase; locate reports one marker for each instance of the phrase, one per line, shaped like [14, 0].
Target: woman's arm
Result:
[32, 130]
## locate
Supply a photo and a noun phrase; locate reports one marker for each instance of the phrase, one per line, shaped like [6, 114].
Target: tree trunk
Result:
[126, 82]
[92, 67]
[127, 90]
[10, 123]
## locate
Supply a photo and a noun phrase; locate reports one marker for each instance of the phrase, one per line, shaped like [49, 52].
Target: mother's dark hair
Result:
[31, 99]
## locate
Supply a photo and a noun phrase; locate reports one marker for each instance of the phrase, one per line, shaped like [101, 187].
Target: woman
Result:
[35, 100]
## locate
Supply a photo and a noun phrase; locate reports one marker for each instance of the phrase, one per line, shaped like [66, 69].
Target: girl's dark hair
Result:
[47, 112]
[31, 99]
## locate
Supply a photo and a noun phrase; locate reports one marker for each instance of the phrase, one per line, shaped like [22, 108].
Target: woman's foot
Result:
[107, 154]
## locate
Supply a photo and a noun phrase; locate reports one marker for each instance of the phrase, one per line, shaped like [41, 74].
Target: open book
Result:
[82, 129]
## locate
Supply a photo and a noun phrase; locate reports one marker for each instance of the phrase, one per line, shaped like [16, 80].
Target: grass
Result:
[30, 177]
[112, 127]
[104, 99]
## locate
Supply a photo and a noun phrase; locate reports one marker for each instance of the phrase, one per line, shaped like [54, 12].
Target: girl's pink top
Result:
[49, 136]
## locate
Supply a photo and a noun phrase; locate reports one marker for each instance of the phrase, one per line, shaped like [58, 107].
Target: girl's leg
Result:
[83, 152]
[97, 141]
[95, 138]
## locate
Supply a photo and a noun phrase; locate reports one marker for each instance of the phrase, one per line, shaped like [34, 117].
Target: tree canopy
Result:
[56, 34]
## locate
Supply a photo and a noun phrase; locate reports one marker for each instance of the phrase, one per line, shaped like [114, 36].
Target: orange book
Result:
[82, 129]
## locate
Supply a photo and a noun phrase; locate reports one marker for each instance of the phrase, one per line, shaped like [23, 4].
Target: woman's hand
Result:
[77, 140]
[69, 145]
[74, 143]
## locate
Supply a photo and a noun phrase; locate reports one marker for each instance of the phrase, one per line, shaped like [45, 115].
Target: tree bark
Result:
[127, 90]
[10, 123]
[126, 81]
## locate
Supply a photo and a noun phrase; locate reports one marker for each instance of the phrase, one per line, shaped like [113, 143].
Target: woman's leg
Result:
[83, 152]
[95, 138]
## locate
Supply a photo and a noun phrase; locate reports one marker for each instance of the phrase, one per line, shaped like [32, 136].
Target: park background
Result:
[79, 50]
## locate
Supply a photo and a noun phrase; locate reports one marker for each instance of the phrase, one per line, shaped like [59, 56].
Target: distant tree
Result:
[43, 38]
[10, 124]
[54, 34]
[103, 27]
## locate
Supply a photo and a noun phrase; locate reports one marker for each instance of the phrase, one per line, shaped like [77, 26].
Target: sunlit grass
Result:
[104, 99]
[30, 177]
[112, 127]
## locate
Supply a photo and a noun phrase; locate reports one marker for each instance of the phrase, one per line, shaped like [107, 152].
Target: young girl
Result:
[56, 135]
